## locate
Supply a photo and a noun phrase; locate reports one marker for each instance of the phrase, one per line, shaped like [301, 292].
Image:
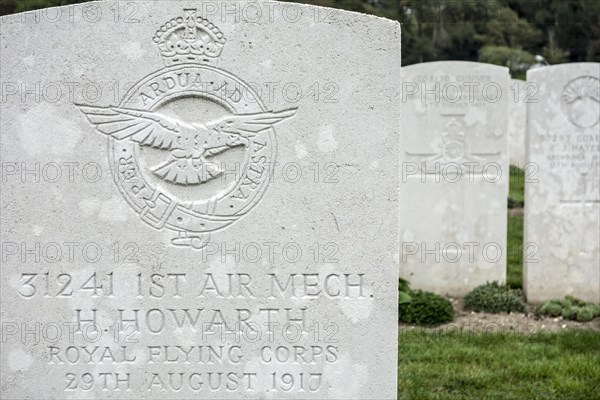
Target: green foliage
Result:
[585, 314]
[516, 60]
[427, 309]
[507, 29]
[555, 55]
[403, 291]
[494, 298]
[512, 31]
[551, 308]
[566, 24]
[569, 308]
[16, 6]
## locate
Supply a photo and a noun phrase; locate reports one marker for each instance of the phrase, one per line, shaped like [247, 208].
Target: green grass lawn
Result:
[514, 255]
[514, 243]
[516, 185]
[499, 365]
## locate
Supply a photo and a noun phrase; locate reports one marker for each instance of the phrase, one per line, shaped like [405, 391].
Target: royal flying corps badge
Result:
[168, 136]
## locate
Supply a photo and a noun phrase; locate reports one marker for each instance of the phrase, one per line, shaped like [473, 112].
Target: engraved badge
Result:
[580, 101]
[180, 133]
[454, 147]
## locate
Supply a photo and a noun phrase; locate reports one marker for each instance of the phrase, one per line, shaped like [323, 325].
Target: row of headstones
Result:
[343, 305]
[463, 123]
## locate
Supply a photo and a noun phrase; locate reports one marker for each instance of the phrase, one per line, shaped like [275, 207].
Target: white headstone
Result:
[562, 187]
[196, 200]
[520, 94]
[454, 174]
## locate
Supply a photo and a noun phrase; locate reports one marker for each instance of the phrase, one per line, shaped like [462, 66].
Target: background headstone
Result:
[562, 192]
[144, 257]
[517, 121]
[454, 175]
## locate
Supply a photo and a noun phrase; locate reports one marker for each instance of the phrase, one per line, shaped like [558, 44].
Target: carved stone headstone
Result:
[562, 191]
[195, 202]
[454, 175]
[520, 94]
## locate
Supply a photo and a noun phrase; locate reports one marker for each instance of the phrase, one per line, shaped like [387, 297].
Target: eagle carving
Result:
[188, 144]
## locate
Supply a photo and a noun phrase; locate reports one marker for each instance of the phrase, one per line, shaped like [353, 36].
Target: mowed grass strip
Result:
[516, 184]
[500, 365]
[514, 243]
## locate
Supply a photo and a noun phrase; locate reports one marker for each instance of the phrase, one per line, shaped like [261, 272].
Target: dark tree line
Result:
[504, 32]
[16, 6]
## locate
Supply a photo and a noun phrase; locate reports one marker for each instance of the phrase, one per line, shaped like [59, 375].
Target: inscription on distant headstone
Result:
[562, 204]
[454, 167]
[195, 202]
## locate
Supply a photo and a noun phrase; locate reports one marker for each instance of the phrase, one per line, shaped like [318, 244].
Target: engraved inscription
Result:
[229, 347]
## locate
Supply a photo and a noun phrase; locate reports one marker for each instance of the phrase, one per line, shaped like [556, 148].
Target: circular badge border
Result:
[222, 220]
[563, 109]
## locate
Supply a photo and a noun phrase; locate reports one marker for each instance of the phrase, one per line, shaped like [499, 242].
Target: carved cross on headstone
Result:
[455, 149]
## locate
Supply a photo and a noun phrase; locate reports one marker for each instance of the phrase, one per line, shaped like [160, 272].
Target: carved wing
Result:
[143, 127]
[248, 125]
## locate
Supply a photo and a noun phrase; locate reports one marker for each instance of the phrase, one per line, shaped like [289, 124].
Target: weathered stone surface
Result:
[520, 95]
[454, 174]
[562, 192]
[135, 136]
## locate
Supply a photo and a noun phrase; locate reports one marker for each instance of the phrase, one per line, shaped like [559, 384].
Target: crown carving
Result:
[454, 132]
[189, 39]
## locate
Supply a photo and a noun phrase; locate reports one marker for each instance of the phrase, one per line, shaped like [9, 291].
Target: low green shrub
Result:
[426, 308]
[494, 298]
[569, 308]
[403, 291]
[584, 314]
[568, 313]
[551, 308]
